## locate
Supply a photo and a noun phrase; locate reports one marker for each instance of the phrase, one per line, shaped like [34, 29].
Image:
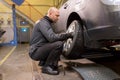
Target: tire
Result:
[74, 47]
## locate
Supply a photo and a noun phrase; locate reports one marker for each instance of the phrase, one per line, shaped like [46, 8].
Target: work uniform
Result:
[45, 44]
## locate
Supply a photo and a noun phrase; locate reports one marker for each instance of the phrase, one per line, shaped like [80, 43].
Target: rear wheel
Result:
[74, 47]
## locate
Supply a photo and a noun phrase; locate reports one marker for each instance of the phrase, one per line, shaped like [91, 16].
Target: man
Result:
[45, 45]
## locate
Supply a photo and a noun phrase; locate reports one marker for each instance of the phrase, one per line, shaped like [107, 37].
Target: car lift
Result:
[14, 41]
[89, 70]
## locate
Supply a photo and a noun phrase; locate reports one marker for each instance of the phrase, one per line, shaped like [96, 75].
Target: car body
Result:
[95, 24]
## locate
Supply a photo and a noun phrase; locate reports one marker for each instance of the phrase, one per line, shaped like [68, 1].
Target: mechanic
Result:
[45, 45]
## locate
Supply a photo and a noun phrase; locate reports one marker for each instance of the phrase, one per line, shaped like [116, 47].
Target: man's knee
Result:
[59, 44]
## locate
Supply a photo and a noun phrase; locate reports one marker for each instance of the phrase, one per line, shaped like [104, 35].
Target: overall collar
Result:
[50, 20]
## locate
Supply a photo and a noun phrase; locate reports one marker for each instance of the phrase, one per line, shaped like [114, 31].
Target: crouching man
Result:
[45, 45]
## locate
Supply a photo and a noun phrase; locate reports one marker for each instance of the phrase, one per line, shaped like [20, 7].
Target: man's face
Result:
[55, 16]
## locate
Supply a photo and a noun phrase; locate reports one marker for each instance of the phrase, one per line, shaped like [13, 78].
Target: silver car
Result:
[96, 25]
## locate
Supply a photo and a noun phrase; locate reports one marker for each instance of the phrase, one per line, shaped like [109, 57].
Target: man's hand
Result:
[71, 34]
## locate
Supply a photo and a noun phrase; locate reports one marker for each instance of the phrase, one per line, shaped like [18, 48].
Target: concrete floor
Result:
[17, 65]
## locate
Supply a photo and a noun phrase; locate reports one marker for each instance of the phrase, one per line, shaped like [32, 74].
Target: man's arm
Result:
[50, 35]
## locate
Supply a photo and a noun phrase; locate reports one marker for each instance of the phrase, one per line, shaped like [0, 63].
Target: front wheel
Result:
[74, 47]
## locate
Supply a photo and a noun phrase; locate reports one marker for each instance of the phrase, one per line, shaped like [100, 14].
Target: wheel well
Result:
[73, 16]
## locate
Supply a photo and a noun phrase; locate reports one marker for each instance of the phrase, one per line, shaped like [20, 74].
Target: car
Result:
[95, 24]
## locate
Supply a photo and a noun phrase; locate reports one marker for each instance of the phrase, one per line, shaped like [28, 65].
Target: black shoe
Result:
[49, 70]
[41, 63]
[54, 68]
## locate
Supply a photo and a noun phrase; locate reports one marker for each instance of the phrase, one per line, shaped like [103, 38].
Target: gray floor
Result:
[18, 66]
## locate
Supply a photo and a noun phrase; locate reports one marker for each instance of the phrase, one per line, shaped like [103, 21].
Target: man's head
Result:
[53, 13]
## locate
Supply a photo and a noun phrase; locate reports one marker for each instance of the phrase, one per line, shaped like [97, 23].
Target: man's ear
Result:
[50, 13]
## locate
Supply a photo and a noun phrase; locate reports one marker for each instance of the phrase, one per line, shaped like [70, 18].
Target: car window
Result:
[111, 2]
[62, 2]
[112, 5]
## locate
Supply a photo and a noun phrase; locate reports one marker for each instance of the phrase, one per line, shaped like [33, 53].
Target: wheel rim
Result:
[68, 45]
[74, 47]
